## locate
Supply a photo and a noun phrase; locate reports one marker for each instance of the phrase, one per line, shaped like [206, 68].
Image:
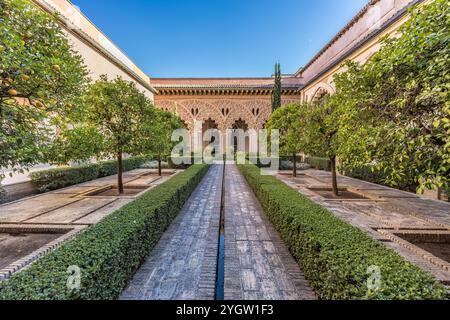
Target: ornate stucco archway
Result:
[224, 101]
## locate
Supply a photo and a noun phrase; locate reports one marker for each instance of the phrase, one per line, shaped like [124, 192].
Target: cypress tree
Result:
[276, 97]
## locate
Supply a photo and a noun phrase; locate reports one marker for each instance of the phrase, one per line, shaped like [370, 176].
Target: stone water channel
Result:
[220, 247]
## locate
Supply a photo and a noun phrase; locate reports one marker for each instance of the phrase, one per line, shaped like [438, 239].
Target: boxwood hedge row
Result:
[58, 178]
[109, 253]
[319, 163]
[335, 256]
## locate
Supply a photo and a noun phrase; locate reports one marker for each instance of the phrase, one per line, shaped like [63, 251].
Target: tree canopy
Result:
[396, 106]
[289, 121]
[156, 134]
[108, 124]
[41, 77]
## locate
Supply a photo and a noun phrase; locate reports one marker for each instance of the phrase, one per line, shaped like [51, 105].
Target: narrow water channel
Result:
[220, 281]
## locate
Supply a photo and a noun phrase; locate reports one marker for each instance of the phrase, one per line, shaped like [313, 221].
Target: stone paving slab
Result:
[31, 207]
[183, 264]
[74, 190]
[257, 263]
[71, 212]
[103, 212]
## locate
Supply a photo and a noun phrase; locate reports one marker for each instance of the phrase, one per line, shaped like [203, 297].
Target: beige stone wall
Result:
[100, 54]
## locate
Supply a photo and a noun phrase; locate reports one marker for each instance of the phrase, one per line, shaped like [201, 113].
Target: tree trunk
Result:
[294, 164]
[159, 166]
[120, 173]
[334, 177]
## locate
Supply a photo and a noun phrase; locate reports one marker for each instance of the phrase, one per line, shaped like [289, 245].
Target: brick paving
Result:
[258, 266]
[184, 262]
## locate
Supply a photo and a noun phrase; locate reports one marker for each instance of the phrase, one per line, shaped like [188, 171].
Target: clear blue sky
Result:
[219, 38]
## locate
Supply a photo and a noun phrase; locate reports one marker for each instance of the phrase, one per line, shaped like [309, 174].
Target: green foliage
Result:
[107, 124]
[287, 119]
[115, 109]
[156, 130]
[319, 163]
[314, 129]
[335, 256]
[108, 253]
[396, 106]
[322, 120]
[41, 77]
[58, 178]
[276, 96]
[80, 143]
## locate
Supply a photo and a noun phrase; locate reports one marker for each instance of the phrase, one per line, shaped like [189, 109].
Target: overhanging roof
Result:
[223, 85]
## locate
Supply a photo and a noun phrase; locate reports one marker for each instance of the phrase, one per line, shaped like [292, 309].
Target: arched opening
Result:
[209, 124]
[241, 143]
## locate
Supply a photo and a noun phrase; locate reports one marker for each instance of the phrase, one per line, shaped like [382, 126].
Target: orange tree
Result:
[156, 130]
[110, 122]
[396, 107]
[323, 123]
[40, 79]
[288, 120]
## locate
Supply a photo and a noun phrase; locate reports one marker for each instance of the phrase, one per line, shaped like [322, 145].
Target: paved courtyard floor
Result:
[32, 226]
[256, 264]
[403, 221]
[184, 264]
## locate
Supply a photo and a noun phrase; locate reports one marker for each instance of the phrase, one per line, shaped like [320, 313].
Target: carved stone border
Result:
[440, 264]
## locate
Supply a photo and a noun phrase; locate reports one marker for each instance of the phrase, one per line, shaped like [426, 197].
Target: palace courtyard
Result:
[94, 204]
[256, 263]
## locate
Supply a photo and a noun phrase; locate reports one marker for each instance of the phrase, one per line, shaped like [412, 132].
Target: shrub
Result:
[319, 163]
[108, 253]
[58, 178]
[334, 255]
[372, 174]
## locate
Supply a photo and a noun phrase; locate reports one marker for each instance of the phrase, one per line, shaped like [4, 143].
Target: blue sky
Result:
[219, 38]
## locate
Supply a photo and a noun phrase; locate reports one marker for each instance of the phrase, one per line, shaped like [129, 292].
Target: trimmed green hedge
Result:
[334, 255]
[371, 174]
[108, 253]
[319, 163]
[58, 178]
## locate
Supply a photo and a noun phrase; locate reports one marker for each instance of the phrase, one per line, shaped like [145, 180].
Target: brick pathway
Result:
[183, 264]
[258, 265]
